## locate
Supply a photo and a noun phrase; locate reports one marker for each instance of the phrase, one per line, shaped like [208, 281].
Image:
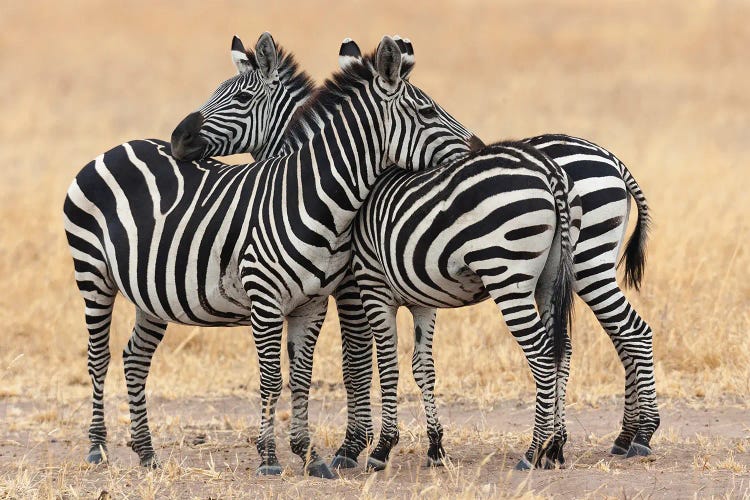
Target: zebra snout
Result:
[187, 144]
[475, 143]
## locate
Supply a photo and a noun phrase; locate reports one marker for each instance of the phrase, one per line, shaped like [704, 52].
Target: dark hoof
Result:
[318, 468]
[638, 450]
[440, 461]
[150, 462]
[524, 464]
[618, 450]
[97, 454]
[373, 464]
[343, 462]
[269, 470]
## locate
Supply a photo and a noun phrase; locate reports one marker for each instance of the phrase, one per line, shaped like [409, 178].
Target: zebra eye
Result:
[428, 112]
[243, 97]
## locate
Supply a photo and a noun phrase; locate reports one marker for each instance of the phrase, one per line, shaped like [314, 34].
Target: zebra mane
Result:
[325, 99]
[290, 73]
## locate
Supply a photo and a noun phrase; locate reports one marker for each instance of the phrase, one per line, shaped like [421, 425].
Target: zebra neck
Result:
[281, 118]
[346, 155]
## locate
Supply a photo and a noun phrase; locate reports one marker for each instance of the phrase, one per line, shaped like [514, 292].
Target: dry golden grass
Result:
[664, 86]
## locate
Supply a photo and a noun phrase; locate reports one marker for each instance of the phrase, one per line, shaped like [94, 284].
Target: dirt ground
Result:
[208, 452]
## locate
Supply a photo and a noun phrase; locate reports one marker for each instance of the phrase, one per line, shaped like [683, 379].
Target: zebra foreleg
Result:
[423, 369]
[356, 347]
[98, 321]
[147, 334]
[267, 325]
[303, 333]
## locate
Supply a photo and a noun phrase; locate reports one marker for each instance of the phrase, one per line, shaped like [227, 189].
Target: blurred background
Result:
[663, 85]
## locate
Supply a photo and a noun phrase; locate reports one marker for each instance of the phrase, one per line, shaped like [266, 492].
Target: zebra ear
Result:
[388, 61]
[240, 57]
[266, 55]
[407, 56]
[349, 53]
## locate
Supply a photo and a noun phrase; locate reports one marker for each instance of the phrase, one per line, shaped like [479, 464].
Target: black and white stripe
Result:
[209, 244]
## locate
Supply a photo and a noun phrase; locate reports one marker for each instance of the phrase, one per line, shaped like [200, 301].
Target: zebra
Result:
[603, 183]
[210, 244]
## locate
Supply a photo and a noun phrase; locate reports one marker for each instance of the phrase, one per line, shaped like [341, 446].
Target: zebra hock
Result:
[251, 244]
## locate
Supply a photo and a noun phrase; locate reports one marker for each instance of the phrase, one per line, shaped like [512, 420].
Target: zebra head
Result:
[420, 133]
[248, 112]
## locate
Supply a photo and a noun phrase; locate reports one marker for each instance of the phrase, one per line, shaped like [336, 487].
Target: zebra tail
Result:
[562, 295]
[634, 255]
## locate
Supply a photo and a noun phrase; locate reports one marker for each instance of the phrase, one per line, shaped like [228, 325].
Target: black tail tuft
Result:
[634, 255]
[562, 292]
[562, 302]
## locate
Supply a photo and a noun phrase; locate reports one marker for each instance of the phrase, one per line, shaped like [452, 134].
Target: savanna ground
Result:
[664, 86]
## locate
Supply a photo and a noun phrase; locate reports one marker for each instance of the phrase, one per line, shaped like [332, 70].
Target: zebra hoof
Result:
[150, 462]
[269, 470]
[638, 450]
[318, 468]
[97, 454]
[618, 450]
[343, 462]
[373, 464]
[437, 460]
[524, 464]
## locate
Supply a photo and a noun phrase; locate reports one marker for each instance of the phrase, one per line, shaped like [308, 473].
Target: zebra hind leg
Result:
[544, 296]
[98, 322]
[423, 369]
[513, 294]
[632, 338]
[147, 334]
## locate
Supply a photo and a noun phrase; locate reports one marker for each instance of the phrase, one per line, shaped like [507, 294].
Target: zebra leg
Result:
[544, 299]
[98, 322]
[555, 452]
[267, 325]
[423, 369]
[303, 334]
[518, 308]
[382, 319]
[356, 347]
[632, 338]
[147, 334]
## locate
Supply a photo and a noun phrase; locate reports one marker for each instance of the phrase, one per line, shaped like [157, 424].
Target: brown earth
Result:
[208, 452]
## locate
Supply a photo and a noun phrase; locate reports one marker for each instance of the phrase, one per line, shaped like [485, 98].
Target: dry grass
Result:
[663, 86]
